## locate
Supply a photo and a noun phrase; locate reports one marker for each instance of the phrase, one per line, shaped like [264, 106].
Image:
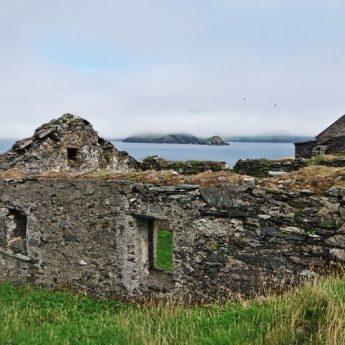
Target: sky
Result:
[204, 67]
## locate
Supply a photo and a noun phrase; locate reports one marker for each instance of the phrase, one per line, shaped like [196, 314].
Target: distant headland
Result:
[214, 140]
[176, 139]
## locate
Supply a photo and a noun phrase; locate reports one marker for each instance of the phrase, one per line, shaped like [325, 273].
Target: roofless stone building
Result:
[66, 144]
[329, 141]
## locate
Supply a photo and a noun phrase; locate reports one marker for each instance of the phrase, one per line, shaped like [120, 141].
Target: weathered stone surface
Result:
[329, 141]
[337, 241]
[66, 144]
[277, 173]
[221, 198]
[264, 216]
[182, 167]
[248, 183]
[4, 165]
[336, 191]
[271, 232]
[92, 235]
[342, 212]
[4, 212]
[338, 254]
[293, 229]
[305, 149]
[263, 167]
[336, 163]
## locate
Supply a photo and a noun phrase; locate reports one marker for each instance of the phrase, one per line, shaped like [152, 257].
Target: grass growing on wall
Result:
[314, 315]
[165, 250]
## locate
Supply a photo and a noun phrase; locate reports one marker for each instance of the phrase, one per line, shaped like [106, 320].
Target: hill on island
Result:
[214, 140]
[175, 139]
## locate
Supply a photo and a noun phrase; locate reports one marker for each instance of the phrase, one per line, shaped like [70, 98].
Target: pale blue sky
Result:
[143, 65]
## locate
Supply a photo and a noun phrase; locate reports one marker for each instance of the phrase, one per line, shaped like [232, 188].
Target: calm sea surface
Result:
[230, 154]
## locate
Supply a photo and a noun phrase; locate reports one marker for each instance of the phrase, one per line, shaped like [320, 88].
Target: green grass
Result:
[315, 160]
[165, 250]
[314, 315]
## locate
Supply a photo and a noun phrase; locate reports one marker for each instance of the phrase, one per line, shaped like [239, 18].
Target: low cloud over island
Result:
[220, 67]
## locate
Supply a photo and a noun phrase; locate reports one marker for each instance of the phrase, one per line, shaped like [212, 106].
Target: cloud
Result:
[139, 66]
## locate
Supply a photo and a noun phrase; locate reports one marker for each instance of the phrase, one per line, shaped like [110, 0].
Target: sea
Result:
[230, 154]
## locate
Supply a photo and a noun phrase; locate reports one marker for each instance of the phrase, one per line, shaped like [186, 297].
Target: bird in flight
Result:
[275, 105]
[244, 98]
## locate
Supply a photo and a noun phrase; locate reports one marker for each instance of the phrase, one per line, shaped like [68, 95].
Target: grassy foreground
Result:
[311, 315]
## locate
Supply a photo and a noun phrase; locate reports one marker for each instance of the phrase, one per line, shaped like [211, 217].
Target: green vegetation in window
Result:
[164, 258]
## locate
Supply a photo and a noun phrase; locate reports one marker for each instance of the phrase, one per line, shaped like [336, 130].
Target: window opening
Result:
[72, 154]
[151, 245]
[20, 220]
[17, 236]
[156, 245]
[164, 253]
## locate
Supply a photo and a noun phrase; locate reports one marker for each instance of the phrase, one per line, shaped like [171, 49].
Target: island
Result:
[175, 139]
[215, 140]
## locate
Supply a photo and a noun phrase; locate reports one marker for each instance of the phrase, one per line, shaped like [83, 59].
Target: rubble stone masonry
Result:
[94, 236]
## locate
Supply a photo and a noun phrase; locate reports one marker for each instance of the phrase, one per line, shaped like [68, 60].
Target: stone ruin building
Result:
[99, 236]
[66, 144]
[330, 141]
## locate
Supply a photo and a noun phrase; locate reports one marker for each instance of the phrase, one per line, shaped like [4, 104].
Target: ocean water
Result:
[6, 144]
[230, 154]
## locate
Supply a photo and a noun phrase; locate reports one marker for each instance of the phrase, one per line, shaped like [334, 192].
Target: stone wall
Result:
[335, 145]
[335, 163]
[73, 234]
[93, 236]
[262, 167]
[305, 149]
[183, 167]
[85, 234]
[311, 149]
[66, 144]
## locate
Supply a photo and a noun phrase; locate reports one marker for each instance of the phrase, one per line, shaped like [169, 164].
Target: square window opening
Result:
[72, 154]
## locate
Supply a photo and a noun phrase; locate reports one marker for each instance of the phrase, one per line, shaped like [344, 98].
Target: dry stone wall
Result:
[305, 149]
[262, 167]
[94, 236]
[183, 167]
